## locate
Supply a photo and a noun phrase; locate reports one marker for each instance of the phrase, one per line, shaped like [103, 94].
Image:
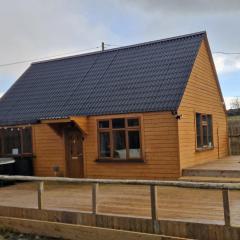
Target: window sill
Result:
[202, 149]
[120, 161]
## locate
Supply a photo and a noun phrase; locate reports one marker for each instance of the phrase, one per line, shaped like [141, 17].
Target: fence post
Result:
[154, 208]
[226, 208]
[40, 195]
[95, 187]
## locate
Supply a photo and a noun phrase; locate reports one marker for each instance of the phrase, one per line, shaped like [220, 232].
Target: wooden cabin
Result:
[144, 111]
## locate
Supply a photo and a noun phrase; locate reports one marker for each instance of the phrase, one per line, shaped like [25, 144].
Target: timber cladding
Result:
[159, 147]
[202, 95]
[49, 149]
[188, 230]
[73, 231]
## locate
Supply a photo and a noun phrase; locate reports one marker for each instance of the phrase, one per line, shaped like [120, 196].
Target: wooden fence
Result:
[15, 216]
[234, 136]
[152, 184]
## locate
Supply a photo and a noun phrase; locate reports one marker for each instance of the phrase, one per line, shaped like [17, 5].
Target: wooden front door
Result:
[74, 150]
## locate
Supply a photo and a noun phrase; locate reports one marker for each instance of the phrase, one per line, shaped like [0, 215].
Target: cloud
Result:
[33, 29]
[220, 18]
[227, 63]
[188, 6]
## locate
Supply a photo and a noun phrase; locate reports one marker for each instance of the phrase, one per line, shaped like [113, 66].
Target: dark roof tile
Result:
[140, 78]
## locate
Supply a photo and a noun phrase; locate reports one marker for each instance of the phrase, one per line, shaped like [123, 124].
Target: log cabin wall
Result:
[159, 145]
[49, 149]
[168, 145]
[202, 95]
[160, 150]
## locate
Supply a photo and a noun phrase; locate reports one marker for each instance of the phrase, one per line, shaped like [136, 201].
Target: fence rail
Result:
[224, 187]
[181, 184]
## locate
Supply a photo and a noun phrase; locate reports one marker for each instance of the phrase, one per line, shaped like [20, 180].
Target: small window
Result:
[105, 150]
[119, 139]
[134, 144]
[27, 140]
[12, 141]
[118, 123]
[119, 144]
[133, 122]
[104, 124]
[16, 141]
[205, 135]
[204, 131]
[210, 130]
[198, 123]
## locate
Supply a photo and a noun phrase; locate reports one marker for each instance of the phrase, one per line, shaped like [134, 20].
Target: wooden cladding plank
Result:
[201, 95]
[17, 219]
[49, 150]
[73, 232]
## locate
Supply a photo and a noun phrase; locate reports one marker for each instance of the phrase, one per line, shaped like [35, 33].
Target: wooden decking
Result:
[179, 204]
[226, 167]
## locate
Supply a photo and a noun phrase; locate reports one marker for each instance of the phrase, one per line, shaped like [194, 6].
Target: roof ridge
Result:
[123, 47]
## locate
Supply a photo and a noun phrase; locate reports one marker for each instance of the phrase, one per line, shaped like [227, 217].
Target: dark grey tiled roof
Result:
[145, 77]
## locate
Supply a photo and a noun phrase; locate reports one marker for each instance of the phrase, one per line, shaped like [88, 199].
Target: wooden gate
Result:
[234, 137]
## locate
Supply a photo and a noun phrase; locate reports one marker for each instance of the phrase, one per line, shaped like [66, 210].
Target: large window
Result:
[119, 139]
[15, 141]
[204, 130]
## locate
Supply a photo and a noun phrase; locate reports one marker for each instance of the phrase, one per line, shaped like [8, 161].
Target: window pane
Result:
[119, 144]
[133, 122]
[27, 140]
[134, 144]
[204, 117]
[205, 137]
[118, 123]
[198, 126]
[210, 137]
[105, 144]
[12, 142]
[104, 124]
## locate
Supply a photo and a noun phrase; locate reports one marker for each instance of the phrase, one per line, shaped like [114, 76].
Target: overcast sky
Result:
[32, 29]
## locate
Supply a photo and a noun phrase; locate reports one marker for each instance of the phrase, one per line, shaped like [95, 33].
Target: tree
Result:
[235, 103]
